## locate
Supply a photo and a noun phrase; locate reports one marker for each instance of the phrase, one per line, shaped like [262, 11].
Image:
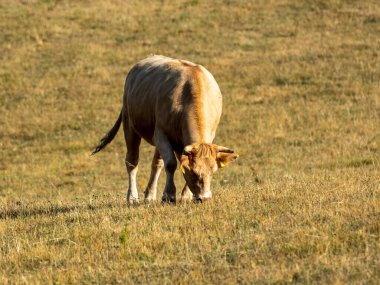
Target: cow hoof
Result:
[186, 199]
[133, 202]
[149, 200]
[168, 201]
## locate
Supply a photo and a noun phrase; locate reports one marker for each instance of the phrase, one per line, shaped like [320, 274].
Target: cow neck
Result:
[191, 134]
[194, 130]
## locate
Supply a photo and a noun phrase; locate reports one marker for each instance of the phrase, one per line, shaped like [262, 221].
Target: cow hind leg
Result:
[133, 141]
[150, 193]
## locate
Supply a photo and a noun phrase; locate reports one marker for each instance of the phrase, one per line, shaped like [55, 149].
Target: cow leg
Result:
[186, 195]
[166, 151]
[157, 165]
[133, 141]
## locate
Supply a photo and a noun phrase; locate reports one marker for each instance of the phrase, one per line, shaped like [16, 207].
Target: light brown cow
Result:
[175, 105]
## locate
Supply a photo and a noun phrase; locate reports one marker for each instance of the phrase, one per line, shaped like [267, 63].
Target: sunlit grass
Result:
[300, 81]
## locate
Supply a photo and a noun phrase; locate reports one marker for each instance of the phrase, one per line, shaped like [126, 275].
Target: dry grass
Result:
[302, 107]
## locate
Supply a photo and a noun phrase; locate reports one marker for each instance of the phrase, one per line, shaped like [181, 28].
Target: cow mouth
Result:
[201, 199]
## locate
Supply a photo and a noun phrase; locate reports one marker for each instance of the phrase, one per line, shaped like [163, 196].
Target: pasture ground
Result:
[301, 106]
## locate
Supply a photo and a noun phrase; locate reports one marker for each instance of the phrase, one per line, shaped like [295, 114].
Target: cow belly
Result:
[145, 131]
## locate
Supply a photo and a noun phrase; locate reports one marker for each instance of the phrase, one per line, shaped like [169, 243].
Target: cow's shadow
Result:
[19, 210]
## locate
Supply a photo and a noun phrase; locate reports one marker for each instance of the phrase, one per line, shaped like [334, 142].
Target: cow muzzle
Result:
[203, 198]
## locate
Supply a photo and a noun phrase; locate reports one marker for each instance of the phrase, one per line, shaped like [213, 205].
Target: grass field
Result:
[301, 87]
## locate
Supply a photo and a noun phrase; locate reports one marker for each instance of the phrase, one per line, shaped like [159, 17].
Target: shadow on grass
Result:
[18, 210]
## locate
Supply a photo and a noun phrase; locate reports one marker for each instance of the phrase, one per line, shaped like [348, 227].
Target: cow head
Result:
[199, 162]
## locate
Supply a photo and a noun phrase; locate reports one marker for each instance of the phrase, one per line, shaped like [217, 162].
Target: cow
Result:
[174, 105]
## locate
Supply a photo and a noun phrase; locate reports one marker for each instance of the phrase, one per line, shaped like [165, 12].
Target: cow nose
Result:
[202, 199]
[198, 200]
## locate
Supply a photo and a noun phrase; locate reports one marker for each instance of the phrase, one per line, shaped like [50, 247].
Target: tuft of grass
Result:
[123, 238]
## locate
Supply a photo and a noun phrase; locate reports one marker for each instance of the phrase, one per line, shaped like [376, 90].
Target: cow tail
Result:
[109, 136]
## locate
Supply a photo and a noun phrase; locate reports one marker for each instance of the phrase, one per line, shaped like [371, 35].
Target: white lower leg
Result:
[186, 194]
[132, 195]
[151, 190]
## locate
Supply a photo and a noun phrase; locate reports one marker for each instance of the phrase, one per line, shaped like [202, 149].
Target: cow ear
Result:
[185, 158]
[188, 149]
[225, 156]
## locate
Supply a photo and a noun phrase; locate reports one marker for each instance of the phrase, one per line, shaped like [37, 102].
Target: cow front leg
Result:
[150, 193]
[186, 195]
[170, 162]
[131, 161]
